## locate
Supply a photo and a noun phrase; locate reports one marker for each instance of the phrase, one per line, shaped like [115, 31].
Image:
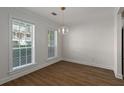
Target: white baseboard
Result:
[25, 72]
[86, 63]
[119, 76]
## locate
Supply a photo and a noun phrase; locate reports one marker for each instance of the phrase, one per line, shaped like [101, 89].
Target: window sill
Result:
[22, 68]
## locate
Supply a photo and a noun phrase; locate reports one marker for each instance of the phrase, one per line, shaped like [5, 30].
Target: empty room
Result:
[52, 46]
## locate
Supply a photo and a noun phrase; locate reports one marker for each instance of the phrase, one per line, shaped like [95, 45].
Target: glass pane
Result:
[23, 56]
[22, 27]
[28, 59]
[28, 43]
[23, 60]
[52, 38]
[15, 44]
[29, 52]
[22, 35]
[15, 57]
[15, 36]
[22, 43]
[15, 26]
[22, 39]
[28, 36]
[29, 28]
[28, 40]
[29, 55]
[15, 61]
[15, 52]
[23, 52]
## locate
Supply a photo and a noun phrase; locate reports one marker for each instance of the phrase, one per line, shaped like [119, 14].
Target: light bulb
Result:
[63, 30]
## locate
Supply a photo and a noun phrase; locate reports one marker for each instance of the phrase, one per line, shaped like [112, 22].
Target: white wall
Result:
[42, 25]
[91, 42]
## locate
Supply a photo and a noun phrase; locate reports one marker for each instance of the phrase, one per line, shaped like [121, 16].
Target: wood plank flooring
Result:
[67, 73]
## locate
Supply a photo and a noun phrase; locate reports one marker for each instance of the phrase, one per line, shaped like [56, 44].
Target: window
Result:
[52, 44]
[22, 44]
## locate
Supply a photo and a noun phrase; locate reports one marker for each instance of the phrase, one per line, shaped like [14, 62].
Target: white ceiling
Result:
[74, 15]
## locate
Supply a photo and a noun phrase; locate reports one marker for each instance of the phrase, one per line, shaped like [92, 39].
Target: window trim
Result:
[56, 44]
[11, 68]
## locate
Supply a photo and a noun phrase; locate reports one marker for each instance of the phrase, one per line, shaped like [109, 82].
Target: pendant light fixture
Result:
[63, 28]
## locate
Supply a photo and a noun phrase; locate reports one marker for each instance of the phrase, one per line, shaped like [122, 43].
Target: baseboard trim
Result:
[119, 76]
[15, 76]
[85, 63]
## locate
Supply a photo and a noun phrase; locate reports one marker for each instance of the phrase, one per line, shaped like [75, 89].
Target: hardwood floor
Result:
[67, 73]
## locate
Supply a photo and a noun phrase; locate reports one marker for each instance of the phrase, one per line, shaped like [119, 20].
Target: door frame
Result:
[122, 53]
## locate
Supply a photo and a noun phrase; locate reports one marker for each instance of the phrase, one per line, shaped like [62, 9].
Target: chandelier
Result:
[64, 29]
